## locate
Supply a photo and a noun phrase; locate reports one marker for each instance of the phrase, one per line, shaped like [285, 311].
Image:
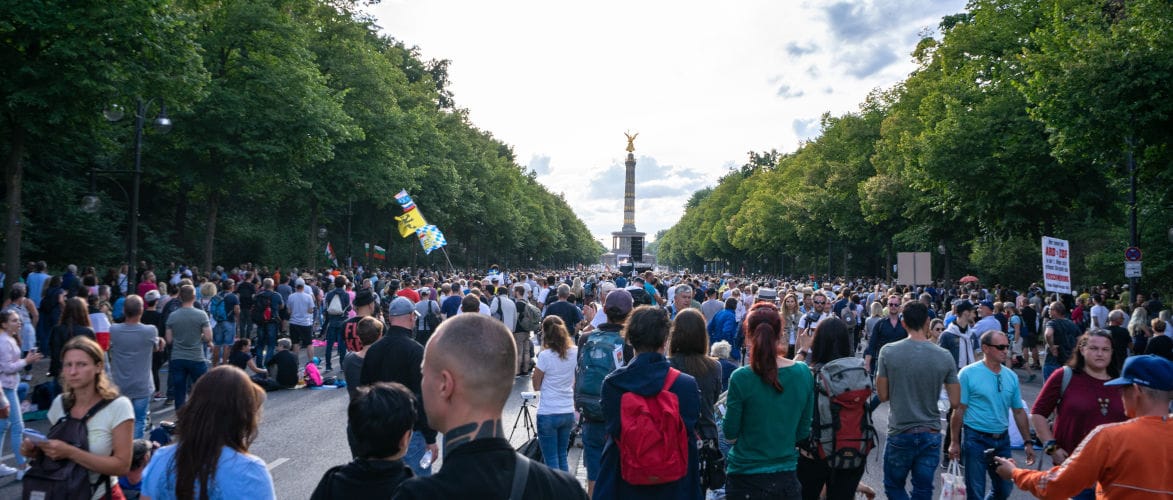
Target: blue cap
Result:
[986, 303]
[1149, 370]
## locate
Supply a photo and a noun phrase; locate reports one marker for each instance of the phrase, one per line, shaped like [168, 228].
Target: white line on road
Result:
[273, 465]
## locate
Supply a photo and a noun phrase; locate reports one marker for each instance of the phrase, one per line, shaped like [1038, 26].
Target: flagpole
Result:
[450, 268]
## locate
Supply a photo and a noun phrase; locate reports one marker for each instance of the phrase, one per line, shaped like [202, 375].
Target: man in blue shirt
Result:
[989, 392]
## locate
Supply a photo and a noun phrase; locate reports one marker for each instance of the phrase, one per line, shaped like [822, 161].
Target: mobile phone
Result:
[34, 436]
[989, 456]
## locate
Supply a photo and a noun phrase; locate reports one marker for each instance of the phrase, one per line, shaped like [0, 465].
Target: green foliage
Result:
[1015, 125]
[289, 116]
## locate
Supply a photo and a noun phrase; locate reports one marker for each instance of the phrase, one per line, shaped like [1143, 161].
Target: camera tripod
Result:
[525, 416]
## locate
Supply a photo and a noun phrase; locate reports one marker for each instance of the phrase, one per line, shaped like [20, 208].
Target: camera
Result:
[990, 462]
[529, 396]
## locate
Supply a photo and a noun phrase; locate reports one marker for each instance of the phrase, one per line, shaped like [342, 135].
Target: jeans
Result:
[1049, 368]
[14, 424]
[180, 370]
[554, 438]
[918, 453]
[773, 485]
[267, 341]
[973, 449]
[415, 451]
[334, 336]
[142, 415]
[245, 326]
[594, 436]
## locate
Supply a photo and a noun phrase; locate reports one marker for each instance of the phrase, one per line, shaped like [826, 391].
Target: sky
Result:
[703, 83]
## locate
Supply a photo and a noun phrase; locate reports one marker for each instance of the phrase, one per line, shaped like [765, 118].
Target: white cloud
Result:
[702, 82]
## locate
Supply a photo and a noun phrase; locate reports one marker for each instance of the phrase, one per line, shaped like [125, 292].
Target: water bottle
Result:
[426, 461]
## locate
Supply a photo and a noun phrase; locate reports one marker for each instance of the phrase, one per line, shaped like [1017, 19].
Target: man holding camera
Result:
[989, 391]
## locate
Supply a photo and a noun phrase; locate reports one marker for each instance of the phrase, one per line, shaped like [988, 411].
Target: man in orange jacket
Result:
[1125, 460]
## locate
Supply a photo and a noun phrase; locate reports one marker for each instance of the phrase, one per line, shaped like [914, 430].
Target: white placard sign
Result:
[1056, 265]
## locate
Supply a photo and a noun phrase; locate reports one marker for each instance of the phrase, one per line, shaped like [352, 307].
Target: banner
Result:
[431, 238]
[1056, 265]
[380, 253]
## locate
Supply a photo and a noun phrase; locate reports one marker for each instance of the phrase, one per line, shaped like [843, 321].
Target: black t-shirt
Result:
[570, 315]
[1161, 345]
[1030, 320]
[245, 292]
[1120, 341]
[240, 359]
[1065, 336]
[483, 468]
[286, 364]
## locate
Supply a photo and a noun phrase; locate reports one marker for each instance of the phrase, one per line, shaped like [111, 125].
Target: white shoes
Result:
[7, 471]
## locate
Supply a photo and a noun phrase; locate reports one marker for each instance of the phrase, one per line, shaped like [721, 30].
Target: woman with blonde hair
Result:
[1140, 329]
[210, 459]
[88, 392]
[554, 376]
[876, 313]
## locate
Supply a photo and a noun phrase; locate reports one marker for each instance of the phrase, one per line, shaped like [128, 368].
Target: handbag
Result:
[712, 464]
[952, 483]
[531, 449]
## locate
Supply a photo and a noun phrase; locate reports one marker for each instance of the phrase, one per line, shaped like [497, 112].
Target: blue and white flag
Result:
[431, 238]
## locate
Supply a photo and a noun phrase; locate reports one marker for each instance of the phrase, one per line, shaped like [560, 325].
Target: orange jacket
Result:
[1125, 460]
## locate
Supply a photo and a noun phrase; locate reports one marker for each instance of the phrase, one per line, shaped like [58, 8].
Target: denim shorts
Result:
[224, 334]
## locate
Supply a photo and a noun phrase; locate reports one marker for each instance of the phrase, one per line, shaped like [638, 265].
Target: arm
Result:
[252, 365]
[882, 388]
[206, 334]
[1079, 473]
[1024, 430]
[955, 431]
[732, 422]
[116, 464]
[169, 335]
[34, 315]
[537, 377]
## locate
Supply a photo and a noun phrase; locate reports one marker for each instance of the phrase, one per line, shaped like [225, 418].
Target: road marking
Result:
[273, 465]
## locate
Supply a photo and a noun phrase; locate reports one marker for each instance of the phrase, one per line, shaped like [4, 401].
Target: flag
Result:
[405, 201]
[380, 253]
[330, 254]
[410, 222]
[431, 238]
[367, 249]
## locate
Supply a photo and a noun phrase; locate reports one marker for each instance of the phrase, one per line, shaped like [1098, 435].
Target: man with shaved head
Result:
[467, 377]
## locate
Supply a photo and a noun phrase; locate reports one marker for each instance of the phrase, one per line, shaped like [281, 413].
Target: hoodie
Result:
[645, 376]
[362, 479]
[952, 340]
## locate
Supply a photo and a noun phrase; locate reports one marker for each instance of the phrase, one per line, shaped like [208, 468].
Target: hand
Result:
[1030, 455]
[1005, 468]
[27, 447]
[805, 340]
[57, 449]
[954, 450]
[435, 449]
[4, 412]
[32, 357]
[1059, 456]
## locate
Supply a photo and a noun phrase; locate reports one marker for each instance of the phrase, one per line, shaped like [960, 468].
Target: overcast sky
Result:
[702, 83]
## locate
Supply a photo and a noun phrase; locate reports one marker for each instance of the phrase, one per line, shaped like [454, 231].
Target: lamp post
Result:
[162, 124]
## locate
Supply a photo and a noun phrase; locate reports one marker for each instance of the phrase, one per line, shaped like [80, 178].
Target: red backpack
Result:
[654, 444]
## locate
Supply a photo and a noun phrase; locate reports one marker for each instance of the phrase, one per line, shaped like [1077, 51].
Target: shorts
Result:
[301, 335]
[1030, 340]
[224, 334]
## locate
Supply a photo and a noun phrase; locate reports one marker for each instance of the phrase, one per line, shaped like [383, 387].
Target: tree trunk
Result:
[13, 176]
[312, 247]
[180, 221]
[210, 234]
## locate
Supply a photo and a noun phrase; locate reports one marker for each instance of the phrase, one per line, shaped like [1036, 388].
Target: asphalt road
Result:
[303, 433]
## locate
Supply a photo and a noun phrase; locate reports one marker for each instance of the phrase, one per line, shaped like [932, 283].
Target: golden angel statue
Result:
[631, 141]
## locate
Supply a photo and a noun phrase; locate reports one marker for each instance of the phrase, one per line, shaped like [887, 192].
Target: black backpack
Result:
[262, 311]
[50, 479]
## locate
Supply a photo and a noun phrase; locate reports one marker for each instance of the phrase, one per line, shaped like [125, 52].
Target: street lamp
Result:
[163, 124]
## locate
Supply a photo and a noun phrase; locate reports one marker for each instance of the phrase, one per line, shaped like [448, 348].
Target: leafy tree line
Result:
[289, 117]
[1019, 122]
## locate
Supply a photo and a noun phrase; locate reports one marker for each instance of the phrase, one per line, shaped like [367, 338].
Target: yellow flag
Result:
[410, 222]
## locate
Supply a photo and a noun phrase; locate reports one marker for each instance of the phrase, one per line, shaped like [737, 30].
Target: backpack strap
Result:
[673, 374]
[1067, 374]
[95, 409]
[520, 476]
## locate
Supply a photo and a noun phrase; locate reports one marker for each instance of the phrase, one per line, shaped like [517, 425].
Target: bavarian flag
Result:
[431, 238]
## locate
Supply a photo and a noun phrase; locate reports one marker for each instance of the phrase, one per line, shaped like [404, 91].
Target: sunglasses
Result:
[1001, 347]
[820, 302]
[893, 304]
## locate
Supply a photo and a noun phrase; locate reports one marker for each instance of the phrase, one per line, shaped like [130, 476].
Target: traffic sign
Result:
[1132, 254]
[1132, 269]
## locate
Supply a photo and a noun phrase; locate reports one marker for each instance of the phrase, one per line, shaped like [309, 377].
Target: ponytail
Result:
[762, 327]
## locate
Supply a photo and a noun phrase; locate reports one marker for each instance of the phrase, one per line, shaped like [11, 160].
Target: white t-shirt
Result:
[557, 382]
[301, 307]
[101, 430]
[1099, 316]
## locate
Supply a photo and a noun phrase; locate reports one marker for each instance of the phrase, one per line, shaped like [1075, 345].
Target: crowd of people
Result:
[677, 385]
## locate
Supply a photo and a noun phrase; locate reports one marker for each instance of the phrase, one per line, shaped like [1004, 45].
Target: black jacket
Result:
[362, 479]
[398, 358]
[483, 470]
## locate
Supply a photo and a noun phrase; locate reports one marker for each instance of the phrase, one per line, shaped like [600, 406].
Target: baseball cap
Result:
[986, 303]
[401, 306]
[619, 299]
[300, 282]
[364, 297]
[152, 296]
[1149, 370]
[768, 294]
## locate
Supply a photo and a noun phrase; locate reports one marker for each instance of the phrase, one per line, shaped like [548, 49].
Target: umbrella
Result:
[969, 278]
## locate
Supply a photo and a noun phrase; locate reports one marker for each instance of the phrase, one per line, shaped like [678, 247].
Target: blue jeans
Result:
[973, 448]
[1049, 368]
[267, 341]
[415, 451]
[142, 414]
[14, 424]
[180, 370]
[554, 438]
[594, 436]
[334, 336]
[918, 453]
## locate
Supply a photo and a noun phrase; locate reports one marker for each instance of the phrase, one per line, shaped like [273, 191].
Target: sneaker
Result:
[7, 471]
[159, 396]
[27, 377]
[20, 473]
